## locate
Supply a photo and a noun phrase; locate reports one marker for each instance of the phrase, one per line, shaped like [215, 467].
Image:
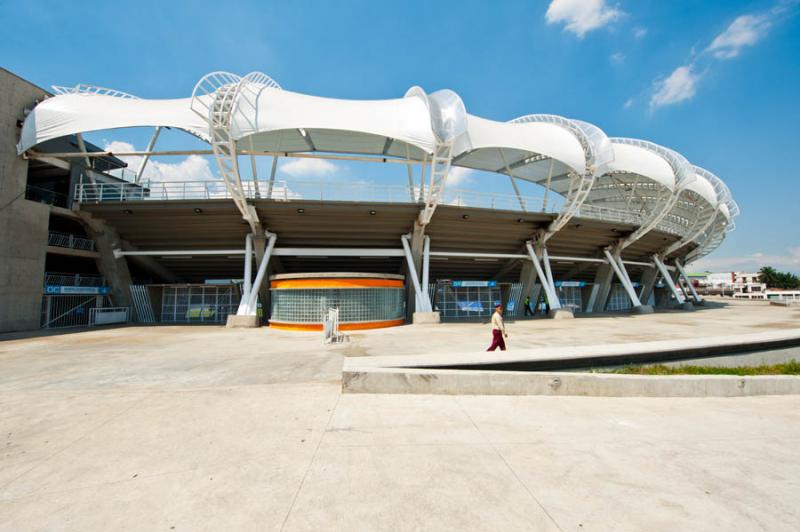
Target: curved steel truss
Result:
[83, 88]
[598, 152]
[666, 200]
[217, 97]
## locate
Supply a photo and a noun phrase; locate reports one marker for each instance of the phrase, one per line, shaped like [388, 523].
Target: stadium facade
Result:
[615, 223]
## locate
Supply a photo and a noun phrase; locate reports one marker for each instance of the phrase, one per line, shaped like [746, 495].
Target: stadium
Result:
[614, 223]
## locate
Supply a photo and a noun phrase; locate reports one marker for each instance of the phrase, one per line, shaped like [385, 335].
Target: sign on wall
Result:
[76, 290]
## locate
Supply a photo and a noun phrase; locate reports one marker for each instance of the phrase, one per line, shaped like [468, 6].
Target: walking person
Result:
[528, 309]
[498, 330]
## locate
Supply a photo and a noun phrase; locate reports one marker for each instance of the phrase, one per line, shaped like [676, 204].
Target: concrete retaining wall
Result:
[478, 382]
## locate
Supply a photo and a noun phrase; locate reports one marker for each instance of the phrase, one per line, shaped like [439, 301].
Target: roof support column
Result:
[668, 280]
[527, 278]
[249, 304]
[695, 295]
[421, 303]
[546, 276]
[619, 268]
[649, 278]
[146, 158]
[598, 298]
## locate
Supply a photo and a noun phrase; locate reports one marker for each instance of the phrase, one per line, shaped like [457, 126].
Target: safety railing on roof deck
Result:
[296, 190]
[300, 190]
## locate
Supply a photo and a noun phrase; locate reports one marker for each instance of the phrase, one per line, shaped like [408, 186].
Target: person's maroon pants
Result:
[497, 341]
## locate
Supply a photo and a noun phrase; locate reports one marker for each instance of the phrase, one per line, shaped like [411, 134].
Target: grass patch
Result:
[791, 367]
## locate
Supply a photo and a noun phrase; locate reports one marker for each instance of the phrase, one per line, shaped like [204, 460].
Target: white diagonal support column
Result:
[426, 262]
[547, 283]
[688, 282]
[619, 268]
[249, 304]
[668, 279]
[423, 304]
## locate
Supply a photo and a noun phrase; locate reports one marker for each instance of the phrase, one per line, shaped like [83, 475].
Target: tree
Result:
[768, 275]
[775, 279]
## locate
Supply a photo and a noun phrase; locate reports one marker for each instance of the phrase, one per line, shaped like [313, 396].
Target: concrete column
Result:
[259, 248]
[603, 280]
[587, 293]
[115, 270]
[649, 278]
[528, 278]
[537, 295]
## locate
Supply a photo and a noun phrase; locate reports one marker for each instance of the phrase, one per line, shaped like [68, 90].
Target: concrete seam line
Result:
[311, 462]
[508, 466]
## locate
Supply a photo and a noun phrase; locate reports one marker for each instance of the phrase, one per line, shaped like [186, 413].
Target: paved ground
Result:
[192, 428]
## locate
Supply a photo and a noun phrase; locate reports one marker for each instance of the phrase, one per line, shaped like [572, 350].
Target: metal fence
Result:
[198, 303]
[66, 240]
[59, 311]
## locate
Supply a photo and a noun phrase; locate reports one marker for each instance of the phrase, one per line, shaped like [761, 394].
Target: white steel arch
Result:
[598, 153]
[705, 215]
[666, 197]
[216, 98]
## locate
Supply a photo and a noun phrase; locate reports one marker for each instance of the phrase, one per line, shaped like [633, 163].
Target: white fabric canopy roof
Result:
[636, 160]
[539, 138]
[69, 114]
[403, 119]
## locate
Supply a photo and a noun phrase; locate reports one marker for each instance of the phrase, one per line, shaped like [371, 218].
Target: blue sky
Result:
[715, 80]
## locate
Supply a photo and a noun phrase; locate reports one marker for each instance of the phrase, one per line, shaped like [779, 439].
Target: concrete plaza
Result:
[203, 428]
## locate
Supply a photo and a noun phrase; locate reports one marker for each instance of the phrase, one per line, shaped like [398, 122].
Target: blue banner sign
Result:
[473, 284]
[570, 284]
[76, 290]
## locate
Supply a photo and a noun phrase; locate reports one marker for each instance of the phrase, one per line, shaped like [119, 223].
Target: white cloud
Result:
[192, 168]
[746, 30]
[752, 262]
[617, 58]
[639, 32]
[459, 176]
[679, 86]
[308, 167]
[581, 16]
[628, 103]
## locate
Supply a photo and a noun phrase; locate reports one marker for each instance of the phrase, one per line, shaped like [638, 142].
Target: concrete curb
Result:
[499, 373]
[470, 382]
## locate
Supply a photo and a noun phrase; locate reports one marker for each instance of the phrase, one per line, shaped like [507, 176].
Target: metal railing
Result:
[293, 190]
[43, 195]
[66, 240]
[73, 279]
[298, 190]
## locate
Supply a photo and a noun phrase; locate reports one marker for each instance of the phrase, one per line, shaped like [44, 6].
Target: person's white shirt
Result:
[498, 323]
